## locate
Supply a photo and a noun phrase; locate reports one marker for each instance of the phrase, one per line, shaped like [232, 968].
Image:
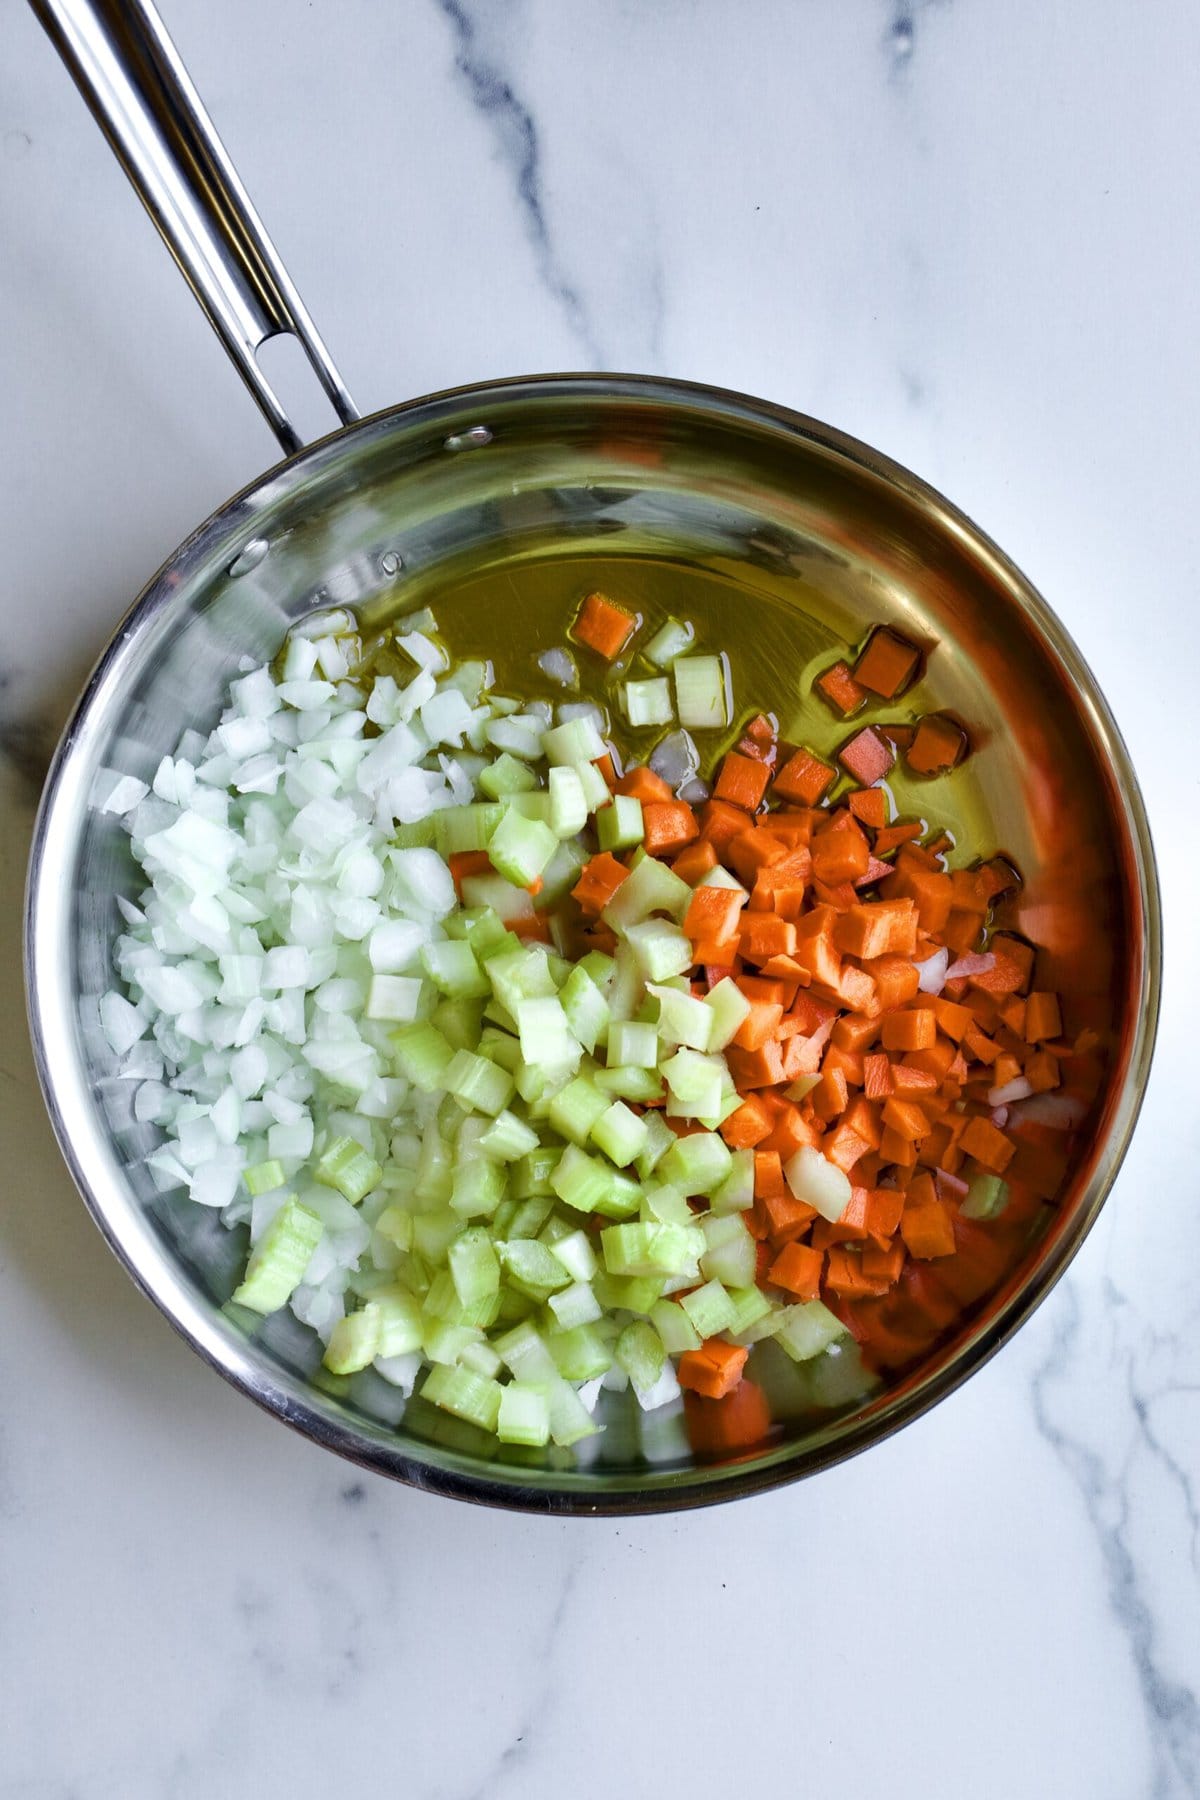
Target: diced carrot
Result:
[883, 1265]
[608, 770]
[915, 1030]
[841, 690]
[848, 1062]
[464, 863]
[713, 912]
[1013, 970]
[768, 1175]
[892, 836]
[798, 1269]
[830, 1096]
[531, 927]
[604, 626]
[927, 1228]
[840, 852]
[669, 825]
[1042, 1072]
[931, 890]
[761, 935]
[815, 949]
[736, 1421]
[954, 1020]
[759, 739]
[713, 1369]
[742, 781]
[748, 1126]
[906, 1118]
[1043, 1018]
[755, 1068]
[876, 871]
[844, 1146]
[868, 757]
[760, 1025]
[996, 878]
[598, 881]
[754, 987]
[907, 1082]
[877, 1077]
[720, 823]
[872, 928]
[897, 1149]
[788, 1217]
[751, 851]
[804, 778]
[844, 1274]
[792, 825]
[990, 1148]
[694, 861]
[641, 783]
[869, 806]
[887, 664]
[896, 981]
[716, 951]
[938, 744]
[884, 1209]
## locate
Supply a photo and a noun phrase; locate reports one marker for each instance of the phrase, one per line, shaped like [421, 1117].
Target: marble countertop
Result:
[963, 232]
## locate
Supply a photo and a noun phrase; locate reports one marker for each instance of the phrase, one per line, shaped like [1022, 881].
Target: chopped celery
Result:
[660, 948]
[651, 1249]
[585, 1007]
[576, 1108]
[395, 1224]
[520, 975]
[669, 641]
[651, 887]
[346, 1166]
[570, 1419]
[531, 1175]
[627, 1293]
[451, 966]
[533, 1267]
[395, 999]
[682, 1019]
[529, 1216]
[521, 848]
[577, 741]
[729, 1008]
[459, 1022]
[474, 1266]
[731, 1254]
[505, 777]
[354, 1341]
[642, 1085]
[575, 1305]
[818, 1182]
[445, 1342]
[986, 1198]
[696, 1083]
[508, 1138]
[674, 1327]
[477, 1083]
[659, 1139]
[666, 1205]
[475, 1398]
[619, 826]
[701, 692]
[807, 1329]
[631, 1044]
[477, 1190]
[696, 1164]
[648, 702]
[480, 1358]
[523, 1416]
[749, 1305]
[595, 788]
[279, 1259]
[579, 1354]
[574, 1251]
[422, 1055]
[546, 1039]
[641, 1353]
[709, 1309]
[568, 802]
[458, 829]
[524, 1351]
[583, 1181]
[264, 1177]
[620, 1134]
[399, 1322]
[736, 1192]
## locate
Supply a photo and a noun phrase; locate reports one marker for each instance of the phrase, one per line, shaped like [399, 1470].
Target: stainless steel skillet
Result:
[523, 471]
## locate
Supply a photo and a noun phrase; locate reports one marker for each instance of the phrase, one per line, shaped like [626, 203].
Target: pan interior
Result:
[503, 505]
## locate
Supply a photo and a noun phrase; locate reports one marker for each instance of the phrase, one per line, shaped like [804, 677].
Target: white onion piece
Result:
[951, 1185]
[999, 1117]
[559, 665]
[1059, 1112]
[931, 974]
[676, 759]
[1019, 1088]
[981, 964]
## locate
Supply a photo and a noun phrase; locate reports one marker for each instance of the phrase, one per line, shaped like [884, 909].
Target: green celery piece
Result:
[459, 1021]
[532, 1267]
[529, 1216]
[474, 1266]
[531, 1175]
[576, 1254]
[346, 1166]
[749, 1305]
[508, 1138]
[524, 1351]
[576, 1108]
[570, 1419]
[660, 948]
[263, 1177]
[279, 1259]
[478, 1084]
[422, 1055]
[475, 1398]
[701, 692]
[444, 1342]
[736, 1192]
[729, 1008]
[666, 1205]
[651, 1249]
[642, 1085]
[599, 968]
[524, 1415]
[521, 848]
[674, 1327]
[451, 965]
[731, 1253]
[659, 1139]
[641, 1353]
[620, 1133]
[632, 1044]
[652, 887]
[585, 1007]
[461, 829]
[399, 1322]
[986, 1198]
[807, 1329]
[696, 1164]
[709, 1309]
[574, 742]
[575, 1305]
[478, 1189]
[505, 777]
[568, 802]
[354, 1341]
[669, 641]
[619, 825]
[580, 1354]
[682, 1019]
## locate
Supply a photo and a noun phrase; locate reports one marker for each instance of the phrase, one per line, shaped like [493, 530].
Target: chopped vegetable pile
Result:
[532, 1073]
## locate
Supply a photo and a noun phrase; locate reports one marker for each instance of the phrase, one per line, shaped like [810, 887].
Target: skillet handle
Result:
[134, 81]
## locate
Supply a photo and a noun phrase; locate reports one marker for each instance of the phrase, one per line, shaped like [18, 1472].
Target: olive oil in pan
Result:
[777, 632]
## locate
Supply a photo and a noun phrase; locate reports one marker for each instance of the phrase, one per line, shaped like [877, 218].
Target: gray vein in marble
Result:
[900, 37]
[492, 93]
[26, 746]
[1172, 1709]
[524, 1740]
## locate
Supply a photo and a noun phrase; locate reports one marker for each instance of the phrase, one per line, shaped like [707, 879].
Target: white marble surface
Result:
[963, 231]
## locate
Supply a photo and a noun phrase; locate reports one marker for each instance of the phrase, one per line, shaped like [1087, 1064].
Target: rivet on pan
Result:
[248, 558]
[391, 562]
[468, 440]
